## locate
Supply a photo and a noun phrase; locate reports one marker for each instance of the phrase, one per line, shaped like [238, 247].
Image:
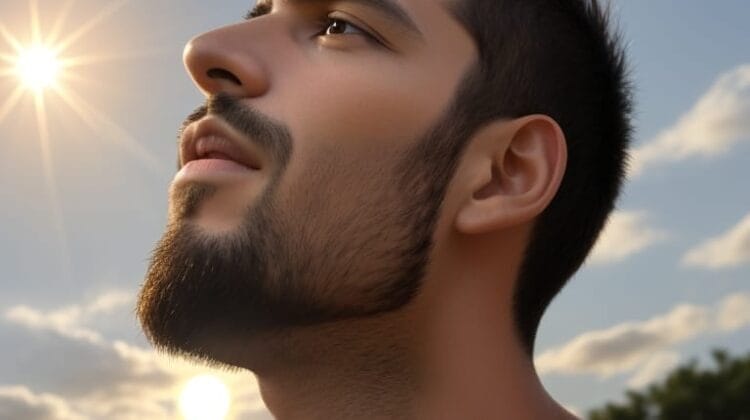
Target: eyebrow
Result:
[388, 8]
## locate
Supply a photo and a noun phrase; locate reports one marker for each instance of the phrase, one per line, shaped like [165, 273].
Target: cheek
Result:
[349, 124]
[358, 107]
[351, 118]
[344, 212]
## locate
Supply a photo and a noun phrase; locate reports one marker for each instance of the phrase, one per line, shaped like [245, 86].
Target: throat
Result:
[340, 372]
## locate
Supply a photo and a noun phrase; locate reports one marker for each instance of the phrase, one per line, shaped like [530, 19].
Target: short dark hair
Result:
[560, 58]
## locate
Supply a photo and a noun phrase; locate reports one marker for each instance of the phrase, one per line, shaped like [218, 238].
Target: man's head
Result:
[351, 119]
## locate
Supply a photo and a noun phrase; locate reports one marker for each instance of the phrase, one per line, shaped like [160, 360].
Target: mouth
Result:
[212, 139]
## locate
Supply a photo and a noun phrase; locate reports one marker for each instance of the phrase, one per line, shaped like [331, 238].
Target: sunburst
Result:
[37, 67]
[42, 68]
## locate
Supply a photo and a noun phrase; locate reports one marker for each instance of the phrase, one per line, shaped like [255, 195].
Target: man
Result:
[381, 197]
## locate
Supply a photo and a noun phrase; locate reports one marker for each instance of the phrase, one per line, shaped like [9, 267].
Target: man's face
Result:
[338, 106]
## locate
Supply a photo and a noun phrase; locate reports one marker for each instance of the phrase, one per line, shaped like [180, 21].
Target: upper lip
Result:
[215, 135]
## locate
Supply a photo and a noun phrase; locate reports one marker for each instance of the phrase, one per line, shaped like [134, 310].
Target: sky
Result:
[83, 200]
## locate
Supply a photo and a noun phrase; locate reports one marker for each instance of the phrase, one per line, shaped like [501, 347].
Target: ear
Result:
[516, 172]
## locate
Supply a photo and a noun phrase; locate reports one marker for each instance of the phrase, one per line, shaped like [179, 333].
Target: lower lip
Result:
[212, 168]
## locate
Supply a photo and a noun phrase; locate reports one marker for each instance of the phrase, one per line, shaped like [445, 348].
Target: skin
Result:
[452, 351]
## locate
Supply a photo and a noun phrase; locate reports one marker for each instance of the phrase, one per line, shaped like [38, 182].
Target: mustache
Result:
[273, 136]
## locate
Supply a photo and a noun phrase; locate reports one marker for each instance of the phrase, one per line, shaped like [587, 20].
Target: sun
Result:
[38, 67]
[43, 71]
[204, 397]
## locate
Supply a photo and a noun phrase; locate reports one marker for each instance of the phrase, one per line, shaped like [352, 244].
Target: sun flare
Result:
[38, 67]
[38, 61]
[204, 397]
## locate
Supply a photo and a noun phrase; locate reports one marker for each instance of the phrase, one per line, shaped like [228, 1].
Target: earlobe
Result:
[521, 170]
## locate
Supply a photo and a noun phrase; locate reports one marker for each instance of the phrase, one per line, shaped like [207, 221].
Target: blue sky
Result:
[667, 282]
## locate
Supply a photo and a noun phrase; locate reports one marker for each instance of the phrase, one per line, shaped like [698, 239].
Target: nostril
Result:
[217, 73]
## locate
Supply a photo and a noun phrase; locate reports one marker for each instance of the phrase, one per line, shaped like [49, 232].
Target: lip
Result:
[211, 138]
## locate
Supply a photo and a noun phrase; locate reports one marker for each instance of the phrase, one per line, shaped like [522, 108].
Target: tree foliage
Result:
[689, 392]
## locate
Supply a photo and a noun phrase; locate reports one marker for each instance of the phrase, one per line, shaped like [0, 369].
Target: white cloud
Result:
[631, 347]
[734, 312]
[107, 303]
[624, 347]
[59, 322]
[654, 368]
[18, 402]
[730, 249]
[719, 120]
[80, 365]
[58, 353]
[68, 320]
[626, 233]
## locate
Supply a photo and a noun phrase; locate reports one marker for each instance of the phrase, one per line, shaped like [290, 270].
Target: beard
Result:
[279, 270]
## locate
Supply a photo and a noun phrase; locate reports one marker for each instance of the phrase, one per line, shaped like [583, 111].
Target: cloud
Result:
[625, 234]
[107, 303]
[730, 249]
[734, 312]
[624, 347]
[633, 346]
[718, 121]
[67, 321]
[17, 402]
[654, 368]
[57, 322]
[80, 365]
[59, 354]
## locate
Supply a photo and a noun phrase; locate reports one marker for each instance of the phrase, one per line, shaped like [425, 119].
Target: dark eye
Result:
[336, 26]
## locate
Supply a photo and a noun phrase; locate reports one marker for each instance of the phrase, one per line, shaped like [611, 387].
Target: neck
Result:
[355, 369]
[450, 354]
[371, 369]
[478, 369]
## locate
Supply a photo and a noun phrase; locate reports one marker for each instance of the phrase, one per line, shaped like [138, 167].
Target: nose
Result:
[223, 61]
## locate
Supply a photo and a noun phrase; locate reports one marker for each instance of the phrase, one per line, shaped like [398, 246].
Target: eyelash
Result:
[261, 9]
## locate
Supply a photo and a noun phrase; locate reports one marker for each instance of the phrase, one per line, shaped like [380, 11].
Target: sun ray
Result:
[36, 31]
[10, 39]
[8, 58]
[77, 78]
[67, 96]
[10, 102]
[91, 24]
[59, 22]
[41, 71]
[49, 176]
[8, 72]
[97, 120]
[70, 78]
[88, 59]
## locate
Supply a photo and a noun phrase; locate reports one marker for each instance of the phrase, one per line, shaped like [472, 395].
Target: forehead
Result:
[426, 12]
[439, 23]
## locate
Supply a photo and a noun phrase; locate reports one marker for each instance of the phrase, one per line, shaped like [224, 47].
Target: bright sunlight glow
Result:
[37, 67]
[42, 70]
[204, 397]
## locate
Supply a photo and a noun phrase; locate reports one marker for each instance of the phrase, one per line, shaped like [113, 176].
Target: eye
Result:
[337, 26]
[330, 26]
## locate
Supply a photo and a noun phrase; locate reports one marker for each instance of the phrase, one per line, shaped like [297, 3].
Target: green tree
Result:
[721, 392]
